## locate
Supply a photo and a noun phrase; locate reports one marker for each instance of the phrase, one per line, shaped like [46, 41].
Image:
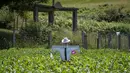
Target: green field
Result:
[91, 3]
[22, 59]
[37, 60]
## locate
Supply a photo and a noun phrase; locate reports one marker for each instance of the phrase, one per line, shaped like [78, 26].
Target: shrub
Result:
[35, 32]
[112, 14]
[107, 13]
[94, 26]
[5, 39]
[6, 17]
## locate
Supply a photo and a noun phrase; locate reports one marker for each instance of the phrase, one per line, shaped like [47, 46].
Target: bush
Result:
[5, 39]
[107, 13]
[94, 26]
[112, 13]
[35, 32]
[6, 17]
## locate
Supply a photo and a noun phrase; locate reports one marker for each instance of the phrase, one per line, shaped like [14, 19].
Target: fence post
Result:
[14, 33]
[98, 40]
[129, 41]
[119, 41]
[84, 40]
[35, 13]
[74, 21]
[109, 40]
[50, 22]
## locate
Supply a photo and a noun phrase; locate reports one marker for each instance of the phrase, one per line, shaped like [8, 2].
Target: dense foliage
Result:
[104, 17]
[6, 18]
[19, 3]
[106, 12]
[35, 31]
[5, 39]
[38, 60]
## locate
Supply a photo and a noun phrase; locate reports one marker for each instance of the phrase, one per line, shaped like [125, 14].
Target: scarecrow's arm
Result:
[57, 48]
[76, 47]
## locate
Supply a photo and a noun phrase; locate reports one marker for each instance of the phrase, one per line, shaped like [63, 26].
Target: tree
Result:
[20, 4]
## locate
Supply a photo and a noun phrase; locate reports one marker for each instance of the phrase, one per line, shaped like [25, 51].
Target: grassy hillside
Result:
[91, 3]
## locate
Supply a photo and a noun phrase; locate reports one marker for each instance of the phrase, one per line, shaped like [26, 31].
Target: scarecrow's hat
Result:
[65, 40]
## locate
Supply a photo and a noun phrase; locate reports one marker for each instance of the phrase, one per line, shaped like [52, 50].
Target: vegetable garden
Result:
[94, 16]
[37, 60]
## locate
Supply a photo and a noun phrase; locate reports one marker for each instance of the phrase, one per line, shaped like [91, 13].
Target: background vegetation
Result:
[106, 16]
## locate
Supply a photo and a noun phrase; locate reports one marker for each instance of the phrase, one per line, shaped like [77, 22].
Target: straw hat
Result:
[65, 40]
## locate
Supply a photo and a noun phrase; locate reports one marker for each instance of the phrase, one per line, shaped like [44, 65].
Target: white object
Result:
[65, 40]
[117, 33]
[61, 49]
[51, 56]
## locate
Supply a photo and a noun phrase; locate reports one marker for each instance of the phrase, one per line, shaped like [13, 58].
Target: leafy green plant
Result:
[38, 60]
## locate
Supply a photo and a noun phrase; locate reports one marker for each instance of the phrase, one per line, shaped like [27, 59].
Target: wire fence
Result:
[106, 40]
[89, 40]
